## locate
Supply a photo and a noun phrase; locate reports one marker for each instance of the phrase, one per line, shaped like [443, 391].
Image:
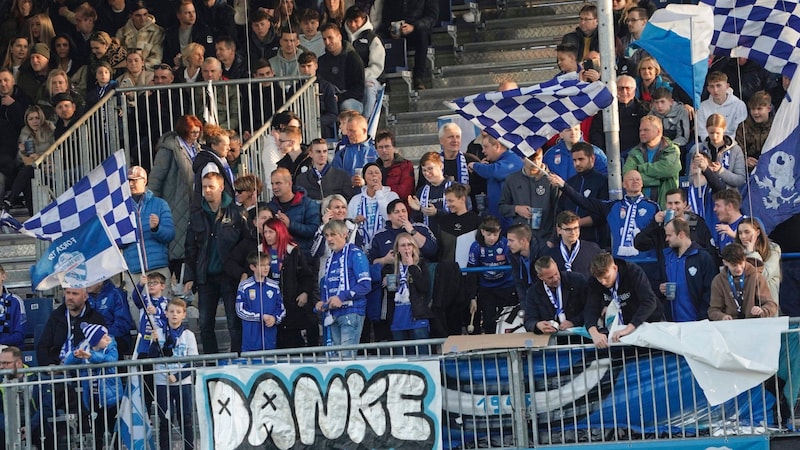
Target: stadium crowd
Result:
[355, 241]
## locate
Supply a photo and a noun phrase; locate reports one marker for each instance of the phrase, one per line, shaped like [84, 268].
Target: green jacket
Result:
[659, 176]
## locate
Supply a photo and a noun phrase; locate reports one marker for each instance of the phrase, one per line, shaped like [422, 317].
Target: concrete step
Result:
[539, 55]
[17, 255]
[536, 75]
[412, 147]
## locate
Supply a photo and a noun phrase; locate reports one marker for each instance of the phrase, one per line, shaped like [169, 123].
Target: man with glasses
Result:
[630, 113]
[571, 253]
[637, 19]
[584, 38]
[155, 232]
[11, 359]
[295, 159]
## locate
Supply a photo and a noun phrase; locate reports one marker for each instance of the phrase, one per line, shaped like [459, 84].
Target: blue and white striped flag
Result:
[766, 31]
[773, 195]
[524, 119]
[103, 192]
[79, 258]
[678, 37]
[135, 429]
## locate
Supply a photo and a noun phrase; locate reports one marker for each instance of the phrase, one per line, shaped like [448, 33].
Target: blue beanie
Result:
[93, 333]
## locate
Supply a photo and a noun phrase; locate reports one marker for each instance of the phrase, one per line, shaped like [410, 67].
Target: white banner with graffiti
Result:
[361, 404]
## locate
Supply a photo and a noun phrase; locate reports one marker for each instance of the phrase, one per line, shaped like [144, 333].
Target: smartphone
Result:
[588, 64]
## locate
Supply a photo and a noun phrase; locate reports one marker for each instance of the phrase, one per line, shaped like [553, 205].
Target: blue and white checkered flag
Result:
[766, 31]
[103, 192]
[524, 119]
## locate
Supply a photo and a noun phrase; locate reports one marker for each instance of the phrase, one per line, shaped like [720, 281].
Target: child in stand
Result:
[495, 288]
[103, 83]
[752, 133]
[154, 306]
[101, 393]
[739, 291]
[673, 115]
[259, 305]
[174, 381]
[311, 38]
[727, 158]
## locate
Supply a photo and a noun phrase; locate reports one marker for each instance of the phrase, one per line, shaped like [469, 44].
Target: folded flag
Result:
[524, 119]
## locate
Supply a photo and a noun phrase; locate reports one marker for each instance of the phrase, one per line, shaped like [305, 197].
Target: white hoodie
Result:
[377, 54]
[732, 109]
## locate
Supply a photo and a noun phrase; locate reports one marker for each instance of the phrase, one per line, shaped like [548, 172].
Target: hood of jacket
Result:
[353, 35]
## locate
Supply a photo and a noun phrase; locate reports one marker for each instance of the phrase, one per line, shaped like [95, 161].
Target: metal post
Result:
[518, 404]
[605, 33]
[12, 408]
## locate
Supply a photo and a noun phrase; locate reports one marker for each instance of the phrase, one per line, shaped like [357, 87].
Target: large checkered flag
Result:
[103, 192]
[524, 119]
[766, 31]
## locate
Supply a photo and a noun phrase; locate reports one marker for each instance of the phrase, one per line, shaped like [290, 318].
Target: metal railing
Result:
[134, 118]
[569, 393]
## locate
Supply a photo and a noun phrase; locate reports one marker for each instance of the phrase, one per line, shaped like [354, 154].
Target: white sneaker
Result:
[469, 17]
[192, 312]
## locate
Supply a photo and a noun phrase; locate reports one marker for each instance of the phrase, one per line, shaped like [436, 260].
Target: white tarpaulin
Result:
[726, 357]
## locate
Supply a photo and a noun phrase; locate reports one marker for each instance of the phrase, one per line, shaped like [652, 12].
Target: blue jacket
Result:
[352, 157]
[613, 211]
[558, 160]
[112, 303]
[384, 241]
[253, 300]
[159, 319]
[699, 272]
[491, 256]
[154, 244]
[98, 389]
[304, 219]
[524, 275]
[12, 319]
[357, 285]
[495, 174]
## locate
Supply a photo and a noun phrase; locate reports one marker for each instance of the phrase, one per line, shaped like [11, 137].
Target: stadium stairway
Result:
[510, 40]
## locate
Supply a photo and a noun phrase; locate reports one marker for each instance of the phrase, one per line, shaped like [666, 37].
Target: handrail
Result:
[268, 124]
[83, 119]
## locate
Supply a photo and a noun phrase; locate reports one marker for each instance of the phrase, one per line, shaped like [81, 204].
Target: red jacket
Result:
[399, 177]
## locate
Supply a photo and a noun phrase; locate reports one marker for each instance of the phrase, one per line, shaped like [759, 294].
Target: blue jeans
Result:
[208, 295]
[371, 87]
[346, 330]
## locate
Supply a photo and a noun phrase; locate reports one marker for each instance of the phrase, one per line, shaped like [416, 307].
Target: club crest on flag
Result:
[524, 119]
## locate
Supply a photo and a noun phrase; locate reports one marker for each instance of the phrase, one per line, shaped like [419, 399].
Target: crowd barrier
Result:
[391, 395]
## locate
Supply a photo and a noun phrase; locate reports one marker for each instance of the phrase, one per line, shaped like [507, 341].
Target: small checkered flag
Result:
[103, 192]
[766, 31]
[524, 119]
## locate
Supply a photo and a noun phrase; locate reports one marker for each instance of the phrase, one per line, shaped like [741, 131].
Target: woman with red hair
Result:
[297, 283]
[172, 179]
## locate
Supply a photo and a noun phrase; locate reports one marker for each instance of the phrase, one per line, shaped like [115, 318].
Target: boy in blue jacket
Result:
[101, 392]
[260, 306]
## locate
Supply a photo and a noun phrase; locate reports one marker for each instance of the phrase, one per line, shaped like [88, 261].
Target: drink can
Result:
[668, 215]
[536, 218]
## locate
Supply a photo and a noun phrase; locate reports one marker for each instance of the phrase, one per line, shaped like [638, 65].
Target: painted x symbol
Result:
[225, 406]
[269, 401]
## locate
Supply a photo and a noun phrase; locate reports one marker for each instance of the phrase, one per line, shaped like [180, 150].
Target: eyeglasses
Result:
[626, 88]
[587, 19]
[163, 67]
[632, 20]
[570, 229]
[154, 283]
[239, 191]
